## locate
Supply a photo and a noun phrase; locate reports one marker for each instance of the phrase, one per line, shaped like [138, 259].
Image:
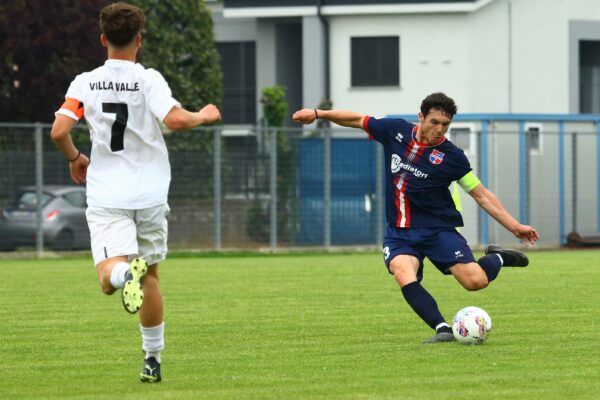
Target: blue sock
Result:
[491, 265]
[423, 304]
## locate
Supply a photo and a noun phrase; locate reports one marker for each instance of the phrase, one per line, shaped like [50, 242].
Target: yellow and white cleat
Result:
[132, 293]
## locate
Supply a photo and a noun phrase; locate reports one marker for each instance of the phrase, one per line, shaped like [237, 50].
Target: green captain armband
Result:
[469, 182]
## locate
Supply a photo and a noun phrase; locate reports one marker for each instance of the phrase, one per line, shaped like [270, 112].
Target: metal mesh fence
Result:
[280, 188]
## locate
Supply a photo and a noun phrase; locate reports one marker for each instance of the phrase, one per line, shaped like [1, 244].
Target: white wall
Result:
[488, 60]
[540, 54]
[508, 56]
[433, 57]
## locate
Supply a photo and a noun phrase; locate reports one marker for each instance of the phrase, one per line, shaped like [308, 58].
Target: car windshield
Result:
[29, 200]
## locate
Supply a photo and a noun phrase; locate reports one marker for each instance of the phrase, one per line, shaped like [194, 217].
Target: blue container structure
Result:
[353, 205]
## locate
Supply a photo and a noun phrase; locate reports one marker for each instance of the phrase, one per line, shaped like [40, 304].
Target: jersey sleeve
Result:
[461, 168]
[73, 106]
[382, 129]
[159, 96]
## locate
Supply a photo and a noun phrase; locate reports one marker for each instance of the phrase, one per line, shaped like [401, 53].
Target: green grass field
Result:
[300, 327]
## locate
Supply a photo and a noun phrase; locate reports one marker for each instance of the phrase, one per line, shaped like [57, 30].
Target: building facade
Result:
[382, 57]
[524, 73]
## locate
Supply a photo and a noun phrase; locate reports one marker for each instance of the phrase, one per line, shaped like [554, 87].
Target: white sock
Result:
[441, 325]
[117, 276]
[153, 340]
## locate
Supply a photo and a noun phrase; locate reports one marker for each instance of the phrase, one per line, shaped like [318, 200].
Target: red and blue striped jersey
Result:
[417, 175]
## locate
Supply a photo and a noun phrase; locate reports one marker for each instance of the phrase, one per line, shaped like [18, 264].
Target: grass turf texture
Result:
[300, 327]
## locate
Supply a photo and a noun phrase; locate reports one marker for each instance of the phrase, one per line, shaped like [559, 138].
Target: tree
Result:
[45, 46]
[275, 109]
[179, 42]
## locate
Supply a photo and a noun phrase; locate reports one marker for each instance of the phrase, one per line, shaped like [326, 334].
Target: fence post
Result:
[39, 183]
[379, 194]
[523, 174]
[327, 188]
[597, 122]
[273, 189]
[561, 183]
[574, 180]
[217, 187]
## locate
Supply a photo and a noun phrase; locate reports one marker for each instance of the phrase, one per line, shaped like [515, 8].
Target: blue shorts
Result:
[444, 247]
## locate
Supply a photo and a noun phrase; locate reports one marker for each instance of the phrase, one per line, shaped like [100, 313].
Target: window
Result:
[589, 76]
[29, 200]
[463, 136]
[533, 138]
[375, 61]
[238, 65]
[76, 199]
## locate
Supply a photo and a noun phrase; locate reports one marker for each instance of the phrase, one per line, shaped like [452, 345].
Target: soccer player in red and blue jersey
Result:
[421, 215]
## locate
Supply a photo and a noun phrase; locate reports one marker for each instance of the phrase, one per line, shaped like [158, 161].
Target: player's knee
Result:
[475, 283]
[403, 275]
[107, 288]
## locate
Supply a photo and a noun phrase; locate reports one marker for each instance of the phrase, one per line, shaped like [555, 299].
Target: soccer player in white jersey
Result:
[123, 104]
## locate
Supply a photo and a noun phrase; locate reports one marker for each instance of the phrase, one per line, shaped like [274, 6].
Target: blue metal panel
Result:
[353, 180]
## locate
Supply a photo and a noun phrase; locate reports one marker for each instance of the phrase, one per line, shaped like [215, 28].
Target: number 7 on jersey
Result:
[117, 131]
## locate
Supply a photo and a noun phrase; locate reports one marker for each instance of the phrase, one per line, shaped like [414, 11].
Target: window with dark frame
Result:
[238, 66]
[375, 61]
[461, 137]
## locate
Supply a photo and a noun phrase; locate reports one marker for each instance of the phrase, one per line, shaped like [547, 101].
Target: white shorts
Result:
[132, 233]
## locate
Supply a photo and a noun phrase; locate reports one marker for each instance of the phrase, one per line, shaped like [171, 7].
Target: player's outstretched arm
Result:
[179, 119]
[350, 119]
[490, 203]
[61, 136]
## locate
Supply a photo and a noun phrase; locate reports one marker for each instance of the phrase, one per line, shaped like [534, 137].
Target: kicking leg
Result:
[472, 276]
[510, 258]
[476, 276]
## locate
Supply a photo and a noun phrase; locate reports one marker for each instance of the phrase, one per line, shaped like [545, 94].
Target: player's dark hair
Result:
[438, 101]
[121, 22]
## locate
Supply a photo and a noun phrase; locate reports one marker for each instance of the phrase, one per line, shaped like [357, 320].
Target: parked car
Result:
[63, 219]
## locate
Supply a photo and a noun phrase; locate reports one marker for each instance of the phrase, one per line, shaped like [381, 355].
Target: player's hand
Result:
[79, 168]
[526, 233]
[305, 116]
[210, 113]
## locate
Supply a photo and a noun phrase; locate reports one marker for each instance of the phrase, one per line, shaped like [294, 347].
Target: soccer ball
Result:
[471, 325]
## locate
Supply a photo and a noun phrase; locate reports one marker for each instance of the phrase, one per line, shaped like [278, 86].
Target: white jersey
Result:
[122, 103]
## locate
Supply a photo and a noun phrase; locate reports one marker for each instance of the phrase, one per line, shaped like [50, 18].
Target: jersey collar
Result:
[112, 62]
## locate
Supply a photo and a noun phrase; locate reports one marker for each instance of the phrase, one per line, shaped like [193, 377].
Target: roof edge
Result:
[367, 9]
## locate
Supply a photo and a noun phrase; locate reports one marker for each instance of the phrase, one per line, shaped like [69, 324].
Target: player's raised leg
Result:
[116, 273]
[132, 293]
[476, 276]
[510, 258]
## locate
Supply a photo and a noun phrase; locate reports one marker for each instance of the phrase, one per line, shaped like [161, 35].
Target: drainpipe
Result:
[325, 24]
[510, 58]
